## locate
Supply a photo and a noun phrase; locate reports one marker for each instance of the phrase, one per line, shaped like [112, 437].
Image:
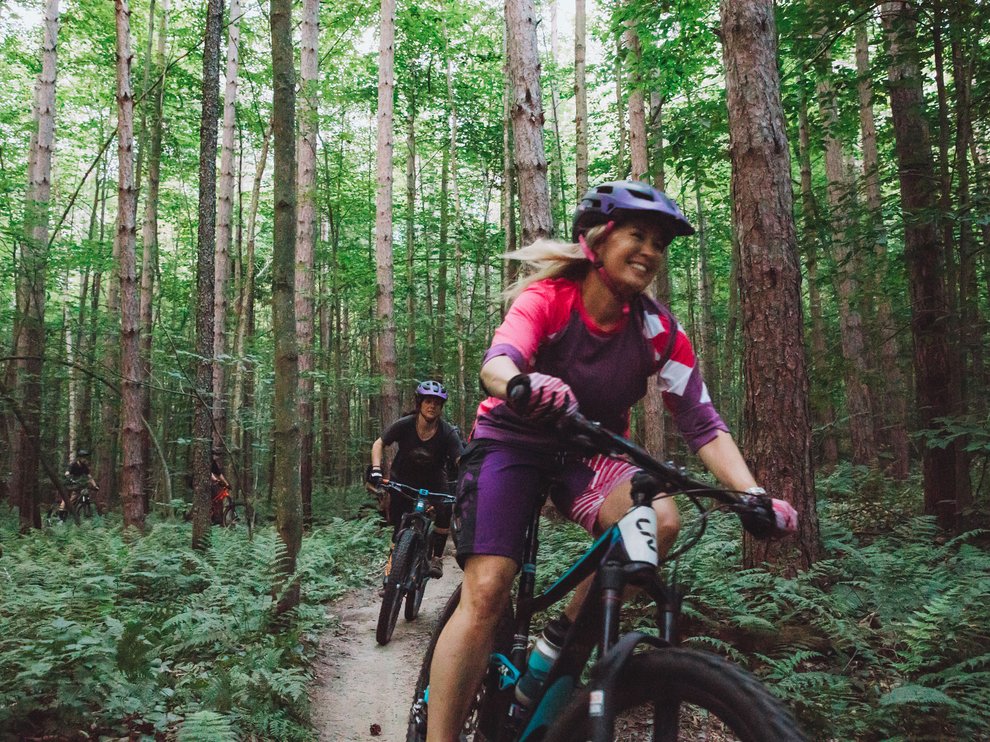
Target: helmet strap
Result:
[599, 266]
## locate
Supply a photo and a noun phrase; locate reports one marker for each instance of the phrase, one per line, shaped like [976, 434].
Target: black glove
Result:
[374, 476]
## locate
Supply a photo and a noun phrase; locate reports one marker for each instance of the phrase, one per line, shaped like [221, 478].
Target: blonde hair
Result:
[548, 258]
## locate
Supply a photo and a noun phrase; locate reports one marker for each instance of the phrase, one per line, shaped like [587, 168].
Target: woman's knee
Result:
[486, 589]
[668, 523]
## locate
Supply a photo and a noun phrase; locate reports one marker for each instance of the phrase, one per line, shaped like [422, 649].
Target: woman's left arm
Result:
[723, 459]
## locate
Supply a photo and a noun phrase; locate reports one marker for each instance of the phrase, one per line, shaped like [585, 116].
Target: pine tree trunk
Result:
[580, 100]
[132, 380]
[458, 254]
[306, 241]
[440, 321]
[527, 120]
[924, 256]
[285, 467]
[777, 426]
[205, 276]
[637, 107]
[149, 243]
[847, 271]
[385, 314]
[823, 412]
[241, 404]
[411, 236]
[225, 210]
[30, 343]
[890, 410]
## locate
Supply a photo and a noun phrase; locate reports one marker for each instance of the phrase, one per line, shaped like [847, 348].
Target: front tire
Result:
[229, 513]
[489, 711]
[685, 688]
[414, 598]
[395, 585]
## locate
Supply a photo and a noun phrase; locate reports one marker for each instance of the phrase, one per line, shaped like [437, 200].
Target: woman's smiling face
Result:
[631, 254]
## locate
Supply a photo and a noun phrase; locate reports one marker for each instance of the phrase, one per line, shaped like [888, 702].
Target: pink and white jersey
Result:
[547, 329]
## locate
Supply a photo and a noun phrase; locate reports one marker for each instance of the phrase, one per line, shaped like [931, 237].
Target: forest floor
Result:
[363, 691]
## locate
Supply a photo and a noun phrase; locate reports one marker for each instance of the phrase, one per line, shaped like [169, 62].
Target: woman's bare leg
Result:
[462, 651]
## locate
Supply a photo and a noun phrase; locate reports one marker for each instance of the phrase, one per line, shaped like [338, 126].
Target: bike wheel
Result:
[229, 513]
[490, 708]
[395, 585]
[86, 509]
[414, 598]
[686, 694]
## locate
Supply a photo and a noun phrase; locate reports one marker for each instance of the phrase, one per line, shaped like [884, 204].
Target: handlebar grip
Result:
[517, 391]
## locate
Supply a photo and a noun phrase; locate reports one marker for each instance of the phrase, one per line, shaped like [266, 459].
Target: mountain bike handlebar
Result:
[414, 493]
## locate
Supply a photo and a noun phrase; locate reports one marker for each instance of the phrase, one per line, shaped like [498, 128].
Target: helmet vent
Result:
[605, 189]
[645, 195]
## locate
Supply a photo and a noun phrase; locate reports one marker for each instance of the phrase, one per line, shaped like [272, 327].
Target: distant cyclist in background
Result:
[427, 451]
[78, 477]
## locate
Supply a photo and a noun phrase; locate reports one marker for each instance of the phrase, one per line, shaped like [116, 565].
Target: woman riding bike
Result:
[428, 446]
[581, 333]
[78, 477]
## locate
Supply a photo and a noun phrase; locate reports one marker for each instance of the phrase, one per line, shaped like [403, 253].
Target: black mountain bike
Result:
[410, 569]
[78, 506]
[637, 681]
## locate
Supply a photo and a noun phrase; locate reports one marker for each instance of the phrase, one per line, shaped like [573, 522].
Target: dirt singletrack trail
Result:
[360, 684]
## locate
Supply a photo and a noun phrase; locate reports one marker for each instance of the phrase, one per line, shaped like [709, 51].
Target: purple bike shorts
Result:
[499, 485]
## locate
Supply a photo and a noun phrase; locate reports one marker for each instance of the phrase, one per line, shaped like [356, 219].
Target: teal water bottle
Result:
[541, 659]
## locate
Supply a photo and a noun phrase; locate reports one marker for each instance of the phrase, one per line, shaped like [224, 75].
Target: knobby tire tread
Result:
[402, 560]
[696, 678]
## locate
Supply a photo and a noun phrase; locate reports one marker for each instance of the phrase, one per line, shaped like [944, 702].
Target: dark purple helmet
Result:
[613, 201]
[431, 389]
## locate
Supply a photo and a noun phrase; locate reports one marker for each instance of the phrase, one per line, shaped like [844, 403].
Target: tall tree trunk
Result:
[285, 473]
[527, 121]
[411, 236]
[225, 210]
[440, 324]
[306, 241]
[149, 243]
[620, 166]
[637, 106]
[580, 99]
[655, 432]
[890, 409]
[848, 269]
[777, 425]
[923, 254]
[205, 276]
[241, 405]
[383, 217]
[132, 380]
[823, 412]
[31, 281]
[510, 268]
[458, 255]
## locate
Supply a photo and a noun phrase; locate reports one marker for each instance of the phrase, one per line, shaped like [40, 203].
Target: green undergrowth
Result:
[104, 634]
[886, 638]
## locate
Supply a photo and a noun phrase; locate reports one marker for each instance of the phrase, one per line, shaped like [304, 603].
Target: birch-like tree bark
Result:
[777, 432]
[388, 367]
[149, 239]
[306, 240]
[527, 120]
[225, 210]
[580, 99]
[30, 337]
